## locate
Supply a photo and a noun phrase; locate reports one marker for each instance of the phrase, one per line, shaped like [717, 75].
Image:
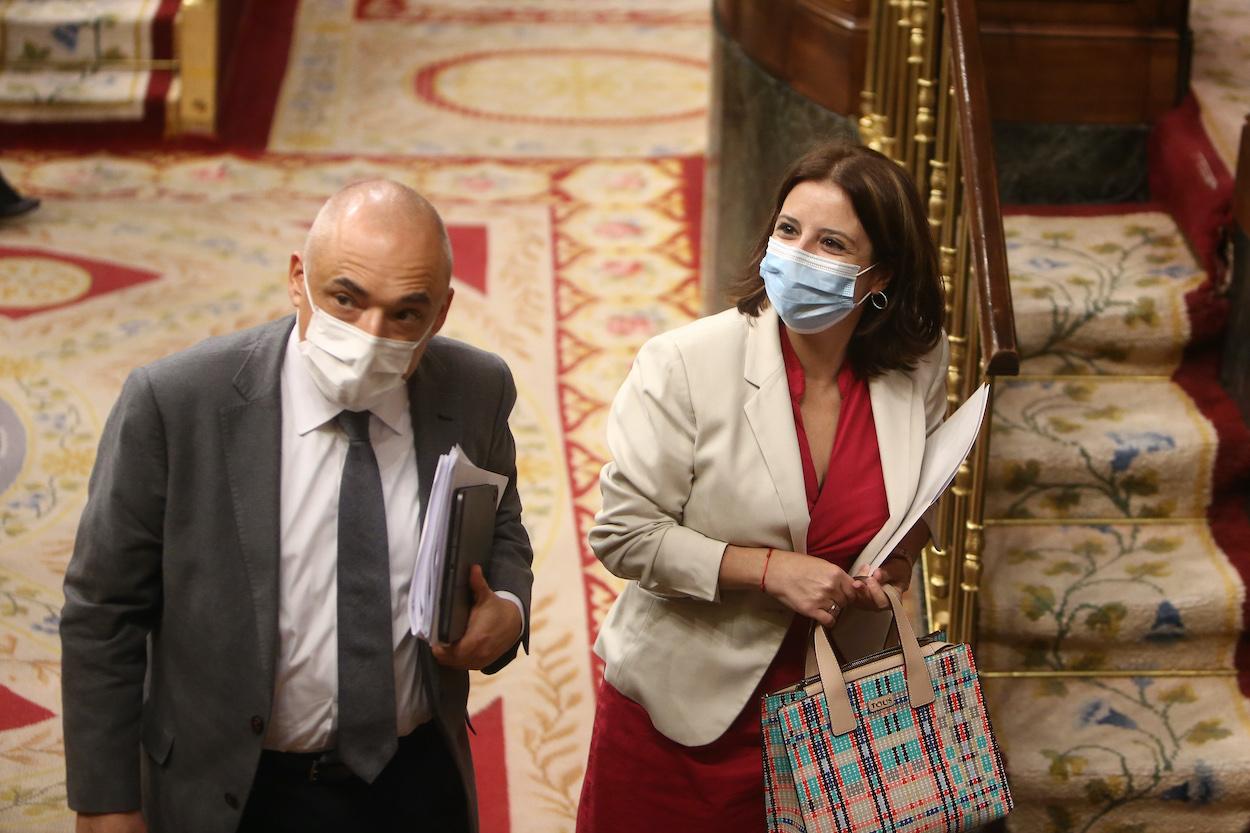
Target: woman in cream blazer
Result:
[705, 510]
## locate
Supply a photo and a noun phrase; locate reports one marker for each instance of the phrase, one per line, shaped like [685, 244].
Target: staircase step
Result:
[1128, 597]
[52, 33]
[1098, 448]
[1100, 295]
[73, 96]
[1124, 755]
[84, 62]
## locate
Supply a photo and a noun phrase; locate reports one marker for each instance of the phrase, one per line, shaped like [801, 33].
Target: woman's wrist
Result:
[768, 556]
[747, 568]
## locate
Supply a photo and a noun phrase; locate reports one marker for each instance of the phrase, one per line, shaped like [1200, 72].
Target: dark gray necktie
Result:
[367, 730]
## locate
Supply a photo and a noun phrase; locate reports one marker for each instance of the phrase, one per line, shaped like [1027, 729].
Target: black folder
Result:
[470, 533]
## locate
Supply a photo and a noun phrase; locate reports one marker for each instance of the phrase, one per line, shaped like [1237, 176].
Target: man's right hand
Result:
[111, 823]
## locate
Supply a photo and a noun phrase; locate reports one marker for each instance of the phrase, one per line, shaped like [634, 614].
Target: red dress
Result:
[639, 781]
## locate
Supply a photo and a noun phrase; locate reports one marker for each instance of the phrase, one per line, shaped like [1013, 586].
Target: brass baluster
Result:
[900, 111]
[974, 539]
[914, 49]
[923, 135]
[909, 112]
[868, 98]
[937, 561]
[892, 85]
[880, 68]
[926, 93]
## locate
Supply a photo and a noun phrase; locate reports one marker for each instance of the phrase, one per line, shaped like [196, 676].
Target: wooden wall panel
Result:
[818, 47]
[764, 32]
[828, 51]
[1094, 77]
[1057, 61]
[1171, 14]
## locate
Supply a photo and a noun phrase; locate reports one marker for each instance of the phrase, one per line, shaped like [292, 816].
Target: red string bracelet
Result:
[767, 557]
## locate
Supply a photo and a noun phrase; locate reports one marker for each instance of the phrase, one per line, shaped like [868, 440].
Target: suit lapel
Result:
[252, 433]
[899, 418]
[436, 421]
[771, 416]
[892, 412]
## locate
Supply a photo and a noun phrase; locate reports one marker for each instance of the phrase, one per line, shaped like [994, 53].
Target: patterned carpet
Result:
[1121, 545]
[534, 79]
[576, 239]
[1221, 71]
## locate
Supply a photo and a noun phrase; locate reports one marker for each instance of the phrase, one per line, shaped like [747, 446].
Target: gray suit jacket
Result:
[170, 626]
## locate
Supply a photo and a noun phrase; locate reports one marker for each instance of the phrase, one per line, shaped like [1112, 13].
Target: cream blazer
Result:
[705, 454]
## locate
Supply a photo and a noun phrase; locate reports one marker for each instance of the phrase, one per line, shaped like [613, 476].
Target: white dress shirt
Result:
[304, 717]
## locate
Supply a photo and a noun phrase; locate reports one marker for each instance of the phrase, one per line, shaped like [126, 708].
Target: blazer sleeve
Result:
[638, 535]
[112, 603]
[934, 414]
[512, 557]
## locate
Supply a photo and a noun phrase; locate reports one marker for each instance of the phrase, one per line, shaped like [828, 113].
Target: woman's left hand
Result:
[895, 570]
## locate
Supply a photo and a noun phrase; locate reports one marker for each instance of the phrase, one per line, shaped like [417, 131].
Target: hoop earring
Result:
[879, 302]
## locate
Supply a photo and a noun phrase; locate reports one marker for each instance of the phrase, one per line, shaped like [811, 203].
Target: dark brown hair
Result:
[891, 212]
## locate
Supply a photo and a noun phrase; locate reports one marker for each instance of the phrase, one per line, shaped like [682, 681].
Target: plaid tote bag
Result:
[899, 741]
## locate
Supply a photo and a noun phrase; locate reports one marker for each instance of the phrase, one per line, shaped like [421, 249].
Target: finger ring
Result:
[833, 608]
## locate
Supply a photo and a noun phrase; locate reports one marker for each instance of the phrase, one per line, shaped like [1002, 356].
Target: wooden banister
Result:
[984, 214]
[925, 106]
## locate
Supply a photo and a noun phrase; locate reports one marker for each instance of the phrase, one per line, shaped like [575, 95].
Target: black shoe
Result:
[23, 205]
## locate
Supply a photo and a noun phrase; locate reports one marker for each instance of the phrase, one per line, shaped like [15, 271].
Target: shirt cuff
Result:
[512, 597]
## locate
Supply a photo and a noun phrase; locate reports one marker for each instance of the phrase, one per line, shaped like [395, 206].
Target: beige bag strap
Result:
[919, 685]
[810, 669]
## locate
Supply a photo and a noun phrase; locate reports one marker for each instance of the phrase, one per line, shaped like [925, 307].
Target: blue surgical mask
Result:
[810, 293]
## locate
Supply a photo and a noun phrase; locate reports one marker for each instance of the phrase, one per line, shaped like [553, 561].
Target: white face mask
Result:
[352, 368]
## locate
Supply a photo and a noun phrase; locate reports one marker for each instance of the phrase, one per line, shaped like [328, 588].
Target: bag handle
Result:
[919, 685]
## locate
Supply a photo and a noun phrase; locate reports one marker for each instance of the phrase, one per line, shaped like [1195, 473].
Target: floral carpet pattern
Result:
[1107, 558]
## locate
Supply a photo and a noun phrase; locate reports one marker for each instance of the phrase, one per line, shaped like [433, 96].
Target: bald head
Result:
[377, 257]
[387, 211]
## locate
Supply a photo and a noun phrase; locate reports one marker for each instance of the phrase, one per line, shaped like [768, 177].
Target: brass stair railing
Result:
[192, 106]
[924, 105]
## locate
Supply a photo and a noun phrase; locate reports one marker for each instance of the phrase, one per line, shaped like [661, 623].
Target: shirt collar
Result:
[311, 409]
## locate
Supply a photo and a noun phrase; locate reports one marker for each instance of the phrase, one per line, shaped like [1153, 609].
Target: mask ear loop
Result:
[879, 299]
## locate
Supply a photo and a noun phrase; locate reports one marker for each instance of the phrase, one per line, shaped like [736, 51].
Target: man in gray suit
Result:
[236, 644]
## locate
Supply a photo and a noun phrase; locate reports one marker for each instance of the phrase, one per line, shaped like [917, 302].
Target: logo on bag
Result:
[883, 703]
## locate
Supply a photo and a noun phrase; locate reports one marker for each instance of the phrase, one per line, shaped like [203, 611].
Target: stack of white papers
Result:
[944, 451]
[455, 471]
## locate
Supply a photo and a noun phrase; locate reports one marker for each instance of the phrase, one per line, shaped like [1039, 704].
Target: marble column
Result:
[1071, 163]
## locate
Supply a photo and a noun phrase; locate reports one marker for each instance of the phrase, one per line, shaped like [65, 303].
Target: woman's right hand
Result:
[810, 586]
